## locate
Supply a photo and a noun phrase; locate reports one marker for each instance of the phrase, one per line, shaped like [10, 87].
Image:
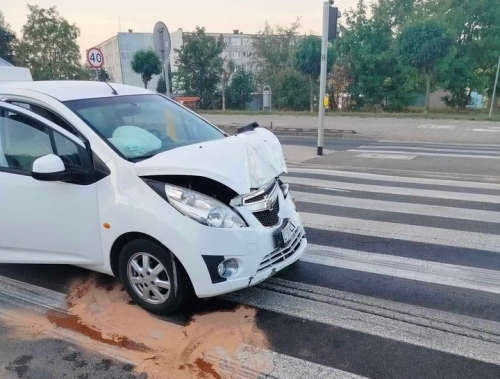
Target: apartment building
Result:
[119, 50]
[238, 47]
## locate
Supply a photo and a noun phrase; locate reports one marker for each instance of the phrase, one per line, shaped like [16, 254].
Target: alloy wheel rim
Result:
[149, 278]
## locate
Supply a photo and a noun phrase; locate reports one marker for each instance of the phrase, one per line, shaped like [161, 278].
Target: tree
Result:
[475, 27]
[49, 46]
[340, 82]
[422, 45]
[161, 86]
[288, 90]
[7, 40]
[274, 50]
[102, 75]
[146, 63]
[239, 92]
[199, 66]
[228, 69]
[366, 50]
[307, 60]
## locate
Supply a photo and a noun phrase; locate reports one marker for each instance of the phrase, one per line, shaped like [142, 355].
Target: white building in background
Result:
[238, 47]
[119, 50]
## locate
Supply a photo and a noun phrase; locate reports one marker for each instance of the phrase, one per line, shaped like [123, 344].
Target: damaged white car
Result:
[126, 182]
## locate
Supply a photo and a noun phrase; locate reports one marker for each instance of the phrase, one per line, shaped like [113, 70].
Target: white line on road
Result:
[436, 127]
[387, 156]
[334, 185]
[401, 148]
[239, 365]
[404, 232]
[406, 268]
[429, 154]
[319, 308]
[405, 208]
[396, 179]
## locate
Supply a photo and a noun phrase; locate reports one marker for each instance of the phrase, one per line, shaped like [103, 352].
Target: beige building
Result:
[118, 52]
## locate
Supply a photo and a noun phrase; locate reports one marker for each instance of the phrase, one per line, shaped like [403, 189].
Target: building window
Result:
[247, 41]
[247, 54]
[236, 55]
[235, 41]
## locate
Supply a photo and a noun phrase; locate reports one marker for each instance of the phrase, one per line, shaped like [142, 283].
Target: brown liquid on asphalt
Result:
[100, 319]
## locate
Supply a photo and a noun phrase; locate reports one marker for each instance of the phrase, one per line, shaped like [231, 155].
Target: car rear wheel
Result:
[153, 277]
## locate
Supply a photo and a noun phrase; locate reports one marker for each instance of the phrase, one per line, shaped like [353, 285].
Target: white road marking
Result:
[319, 308]
[334, 185]
[436, 127]
[386, 156]
[239, 365]
[396, 179]
[430, 154]
[404, 232]
[406, 268]
[401, 148]
[405, 208]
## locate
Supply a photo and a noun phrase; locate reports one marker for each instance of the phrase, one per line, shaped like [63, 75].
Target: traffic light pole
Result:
[322, 81]
[494, 88]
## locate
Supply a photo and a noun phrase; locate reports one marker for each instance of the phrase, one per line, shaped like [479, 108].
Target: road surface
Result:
[401, 278]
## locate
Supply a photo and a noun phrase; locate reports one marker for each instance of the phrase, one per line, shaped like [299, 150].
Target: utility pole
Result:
[494, 88]
[322, 80]
[330, 16]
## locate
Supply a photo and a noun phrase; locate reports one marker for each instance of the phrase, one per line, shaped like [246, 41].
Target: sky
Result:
[101, 19]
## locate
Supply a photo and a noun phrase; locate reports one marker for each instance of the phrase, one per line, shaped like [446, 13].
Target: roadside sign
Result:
[161, 40]
[95, 58]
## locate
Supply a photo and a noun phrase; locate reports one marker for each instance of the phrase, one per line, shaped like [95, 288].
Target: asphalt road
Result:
[401, 279]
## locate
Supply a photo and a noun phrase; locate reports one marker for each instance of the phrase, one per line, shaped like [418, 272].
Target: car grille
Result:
[282, 255]
[261, 196]
[269, 217]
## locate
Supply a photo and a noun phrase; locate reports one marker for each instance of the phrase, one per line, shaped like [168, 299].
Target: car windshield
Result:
[141, 126]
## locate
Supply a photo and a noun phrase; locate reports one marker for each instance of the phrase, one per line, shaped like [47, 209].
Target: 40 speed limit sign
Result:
[95, 58]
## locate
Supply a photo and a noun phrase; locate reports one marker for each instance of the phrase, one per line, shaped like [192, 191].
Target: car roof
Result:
[66, 90]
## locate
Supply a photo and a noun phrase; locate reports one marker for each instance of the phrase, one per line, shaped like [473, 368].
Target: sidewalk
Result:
[412, 130]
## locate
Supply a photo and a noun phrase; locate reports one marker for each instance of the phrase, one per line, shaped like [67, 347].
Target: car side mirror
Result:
[50, 168]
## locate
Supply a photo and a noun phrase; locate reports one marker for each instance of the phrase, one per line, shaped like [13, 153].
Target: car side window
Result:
[23, 140]
[45, 113]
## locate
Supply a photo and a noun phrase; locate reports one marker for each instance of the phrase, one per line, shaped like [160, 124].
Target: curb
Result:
[339, 133]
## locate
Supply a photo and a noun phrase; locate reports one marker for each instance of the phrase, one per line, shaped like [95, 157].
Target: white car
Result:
[129, 183]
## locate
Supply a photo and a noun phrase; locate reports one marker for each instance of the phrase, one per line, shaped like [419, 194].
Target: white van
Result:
[127, 182]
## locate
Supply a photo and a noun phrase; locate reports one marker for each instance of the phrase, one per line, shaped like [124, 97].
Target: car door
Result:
[43, 221]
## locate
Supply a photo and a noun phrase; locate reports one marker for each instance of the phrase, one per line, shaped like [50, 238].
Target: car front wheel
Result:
[153, 277]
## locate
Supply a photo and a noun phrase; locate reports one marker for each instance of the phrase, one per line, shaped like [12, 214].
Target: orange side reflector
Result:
[106, 225]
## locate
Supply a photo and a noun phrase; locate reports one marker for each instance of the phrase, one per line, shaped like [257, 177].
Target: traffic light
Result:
[333, 31]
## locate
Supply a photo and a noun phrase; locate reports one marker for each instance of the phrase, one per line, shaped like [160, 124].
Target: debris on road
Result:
[101, 319]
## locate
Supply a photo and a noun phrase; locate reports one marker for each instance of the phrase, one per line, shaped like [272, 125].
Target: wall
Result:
[129, 43]
[112, 63]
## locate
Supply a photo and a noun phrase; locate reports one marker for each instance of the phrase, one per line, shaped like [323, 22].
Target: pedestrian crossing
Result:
[409, 151]
[401, 279]
[394, 261]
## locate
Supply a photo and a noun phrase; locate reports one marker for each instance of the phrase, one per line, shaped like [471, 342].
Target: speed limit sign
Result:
[95, 58]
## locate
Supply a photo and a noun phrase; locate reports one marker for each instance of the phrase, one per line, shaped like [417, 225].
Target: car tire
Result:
[153, 277]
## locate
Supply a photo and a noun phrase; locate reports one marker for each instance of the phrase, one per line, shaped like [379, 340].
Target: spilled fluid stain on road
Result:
[105, 321]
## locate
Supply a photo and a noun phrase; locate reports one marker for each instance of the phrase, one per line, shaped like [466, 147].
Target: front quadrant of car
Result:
[275, 238]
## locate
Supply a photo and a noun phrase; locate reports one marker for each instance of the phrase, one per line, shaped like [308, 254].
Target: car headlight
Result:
[204, 209]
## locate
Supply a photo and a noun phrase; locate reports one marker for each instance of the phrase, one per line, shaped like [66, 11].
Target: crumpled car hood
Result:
[243, 162]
